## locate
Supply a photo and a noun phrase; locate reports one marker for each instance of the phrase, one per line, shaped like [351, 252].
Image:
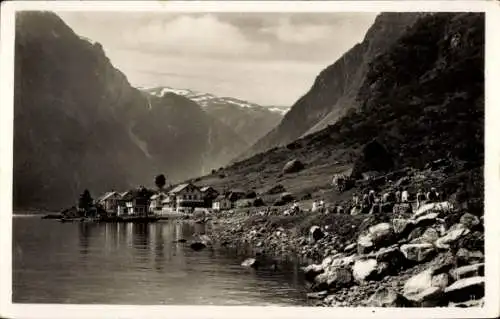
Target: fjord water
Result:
[89, 263]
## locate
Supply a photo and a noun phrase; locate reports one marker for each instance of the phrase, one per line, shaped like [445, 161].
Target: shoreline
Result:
[261, 237]
[375, 259]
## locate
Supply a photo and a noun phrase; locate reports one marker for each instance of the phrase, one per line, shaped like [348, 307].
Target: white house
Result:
[109, 201]
[135, 202]
[156, 204]
[184, 197]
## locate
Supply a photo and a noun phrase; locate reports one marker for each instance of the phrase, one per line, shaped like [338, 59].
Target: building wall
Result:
[221, 205]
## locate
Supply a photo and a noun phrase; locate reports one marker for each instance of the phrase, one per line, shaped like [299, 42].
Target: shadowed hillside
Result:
[334, 90]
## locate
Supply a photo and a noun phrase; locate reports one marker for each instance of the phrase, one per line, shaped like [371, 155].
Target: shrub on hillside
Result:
[276, 189]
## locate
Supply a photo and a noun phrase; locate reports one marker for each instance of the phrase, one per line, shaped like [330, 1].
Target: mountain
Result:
[249, 120]
[78, 123]
[334, 90]
[431, 109]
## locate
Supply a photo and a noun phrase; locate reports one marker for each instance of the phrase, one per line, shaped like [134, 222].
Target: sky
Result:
[266, 58]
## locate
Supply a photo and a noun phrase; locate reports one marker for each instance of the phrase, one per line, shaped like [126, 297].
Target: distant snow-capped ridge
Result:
[208, 99]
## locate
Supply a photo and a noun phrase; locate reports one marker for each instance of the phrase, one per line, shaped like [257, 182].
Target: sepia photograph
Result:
[191, 155]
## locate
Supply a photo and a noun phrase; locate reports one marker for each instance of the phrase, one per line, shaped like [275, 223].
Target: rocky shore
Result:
[433, 256]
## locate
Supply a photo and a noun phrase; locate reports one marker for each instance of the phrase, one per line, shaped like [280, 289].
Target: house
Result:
[184, 197]
[208, 194]
[109, 202]
[221, 203]
[135, 202]
[156, 202]
[121, 205]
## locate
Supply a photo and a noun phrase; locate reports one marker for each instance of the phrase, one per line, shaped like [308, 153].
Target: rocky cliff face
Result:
[79, 124]
[334, 90]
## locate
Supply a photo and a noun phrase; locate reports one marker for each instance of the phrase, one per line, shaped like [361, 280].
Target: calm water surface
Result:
[137, 264]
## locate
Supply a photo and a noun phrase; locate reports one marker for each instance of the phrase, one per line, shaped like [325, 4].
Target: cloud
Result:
[204, 35]
[287, 32]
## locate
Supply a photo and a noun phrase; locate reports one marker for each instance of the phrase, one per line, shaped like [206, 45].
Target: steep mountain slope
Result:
[249, 120]
[334, 90]
[79, 124]
[429, 109]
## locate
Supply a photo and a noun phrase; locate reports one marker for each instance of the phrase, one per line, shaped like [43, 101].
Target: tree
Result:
[85, 201]
[160, 181]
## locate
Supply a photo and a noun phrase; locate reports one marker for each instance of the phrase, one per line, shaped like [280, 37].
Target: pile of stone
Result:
[450, 277]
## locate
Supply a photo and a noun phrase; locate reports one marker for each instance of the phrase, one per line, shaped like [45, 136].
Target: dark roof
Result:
[160, 194]
[136, 194]
[107, 195]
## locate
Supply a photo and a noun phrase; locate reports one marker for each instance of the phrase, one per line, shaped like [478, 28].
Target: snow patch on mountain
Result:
[208, 99]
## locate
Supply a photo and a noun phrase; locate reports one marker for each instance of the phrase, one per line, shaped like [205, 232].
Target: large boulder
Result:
[416, 233]
[441, 280]
[334, 278]
[250, 262]
[418, 283]
[344, 261]
[197, 245]
[384, 297]
[467, 271]
[430, 297]
[430, 235]
[465, 289]
[376, 236]
[369, 269]
[311, 271]
[327, 261]
[382, 234]
[452, 235]
[465, 256]
[426, 290]
[350, 248]
[444, 262]
[426, 220]
[440, 208]
[402, 227]
[418, 252]
[315, 233]
[293, 166]
[365, 244]
[469, 220]
[393, 257]
[471, 241]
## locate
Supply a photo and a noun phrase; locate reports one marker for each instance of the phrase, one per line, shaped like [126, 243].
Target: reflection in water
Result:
[84, 232]
[159, 252]
[125, 263]
[141, 236]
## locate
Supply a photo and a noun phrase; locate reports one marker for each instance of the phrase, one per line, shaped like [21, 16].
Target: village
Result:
[189, 201]
[183, 201]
